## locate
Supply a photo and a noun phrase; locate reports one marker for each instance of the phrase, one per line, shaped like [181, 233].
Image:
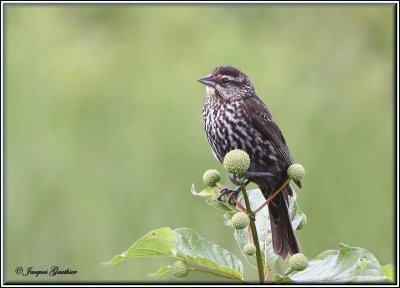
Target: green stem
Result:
[253, 229]
[287, 272]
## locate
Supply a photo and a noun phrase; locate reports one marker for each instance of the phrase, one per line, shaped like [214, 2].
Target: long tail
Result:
[283, 238]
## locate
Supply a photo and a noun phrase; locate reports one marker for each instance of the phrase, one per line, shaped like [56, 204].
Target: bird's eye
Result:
[224, 80]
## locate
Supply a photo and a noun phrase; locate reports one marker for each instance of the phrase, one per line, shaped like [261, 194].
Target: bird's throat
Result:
[213, 94]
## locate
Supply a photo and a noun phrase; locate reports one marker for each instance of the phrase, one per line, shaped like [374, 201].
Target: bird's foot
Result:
[232, 193]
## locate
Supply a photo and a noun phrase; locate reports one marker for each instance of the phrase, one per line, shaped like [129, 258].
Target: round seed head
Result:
[249, 249]
[237, 162]
[181, 269]
[298, 262]
[211, 177]
[296, 172]
[240, 220]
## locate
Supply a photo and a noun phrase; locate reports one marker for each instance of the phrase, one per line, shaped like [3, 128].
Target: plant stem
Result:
[272, 196]
[253, 229]
[267, 273]
[238, 203]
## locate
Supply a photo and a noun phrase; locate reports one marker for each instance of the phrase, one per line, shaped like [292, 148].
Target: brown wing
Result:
[262, 121]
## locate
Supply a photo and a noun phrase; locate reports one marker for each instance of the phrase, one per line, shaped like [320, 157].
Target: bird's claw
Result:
[231, 193]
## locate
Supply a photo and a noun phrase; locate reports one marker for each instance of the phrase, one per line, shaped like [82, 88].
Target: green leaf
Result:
[156, 243]
[281, 279]
[206, 255]
[228, 216]
[342, 265]
[221, 206]
[163, 270]
[208, 192]
[388, 272]
[256, 199]
[188, 245]
[211, 194]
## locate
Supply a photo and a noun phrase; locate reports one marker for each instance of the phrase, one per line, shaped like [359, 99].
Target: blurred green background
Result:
[103, 126]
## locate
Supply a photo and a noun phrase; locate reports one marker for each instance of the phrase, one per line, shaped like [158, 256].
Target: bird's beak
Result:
[207, 80]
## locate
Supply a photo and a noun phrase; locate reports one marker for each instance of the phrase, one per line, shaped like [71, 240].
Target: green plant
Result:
[296, 172]
[211, 177]
[237, 162]
[297, 262]
[181, 269]
[249, 249]
[240, 220]
[193, 252]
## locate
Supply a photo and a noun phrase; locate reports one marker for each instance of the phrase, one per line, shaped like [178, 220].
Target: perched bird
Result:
[235, 118]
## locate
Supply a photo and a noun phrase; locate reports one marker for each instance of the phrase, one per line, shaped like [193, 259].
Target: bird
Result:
[234, 117]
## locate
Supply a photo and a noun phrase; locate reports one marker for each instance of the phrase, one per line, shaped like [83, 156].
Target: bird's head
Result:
[228, 83]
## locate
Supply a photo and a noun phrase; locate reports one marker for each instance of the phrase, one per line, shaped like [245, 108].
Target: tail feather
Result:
[283, 238]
